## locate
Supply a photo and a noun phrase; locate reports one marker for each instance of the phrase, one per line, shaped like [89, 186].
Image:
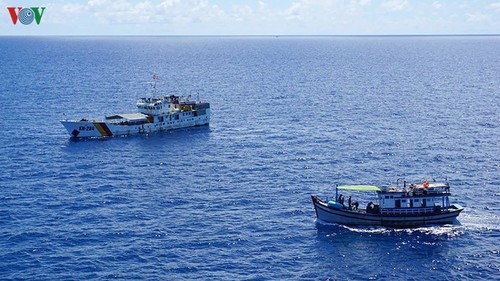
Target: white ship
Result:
[154, 114]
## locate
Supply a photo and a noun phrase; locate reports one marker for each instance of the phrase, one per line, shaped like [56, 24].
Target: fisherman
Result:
[341, 200]
[355, 205]
[369, 207]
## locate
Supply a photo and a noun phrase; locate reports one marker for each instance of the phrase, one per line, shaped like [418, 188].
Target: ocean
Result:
[291, 117]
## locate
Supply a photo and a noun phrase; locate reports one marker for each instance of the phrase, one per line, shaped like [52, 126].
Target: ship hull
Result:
[348, 217]
[89, 129]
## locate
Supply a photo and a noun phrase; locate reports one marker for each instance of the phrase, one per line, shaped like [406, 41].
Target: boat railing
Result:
[410, 211]
[433, 190]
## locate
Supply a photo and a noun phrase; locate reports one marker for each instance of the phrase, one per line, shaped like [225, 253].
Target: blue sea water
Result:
[291, 116]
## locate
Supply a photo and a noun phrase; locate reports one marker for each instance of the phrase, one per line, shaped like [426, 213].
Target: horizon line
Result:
[254, 35]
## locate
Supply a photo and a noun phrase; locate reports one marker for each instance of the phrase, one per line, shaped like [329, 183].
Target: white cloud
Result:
[395, 5]
[495, 6]
[193, 11]
[269, 17]
[122, 11]
[204, 10]
[96, 3]
[294, 12]
[361, 2]
[63, 14]
[73, 8]
[437, 5]
[144, 12]
[263, 5]
[477, 17]
[356, 5]
[167, 4]
[318, 10]
[242, 13]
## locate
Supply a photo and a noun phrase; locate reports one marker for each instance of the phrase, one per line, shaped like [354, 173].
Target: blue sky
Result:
[264, 17]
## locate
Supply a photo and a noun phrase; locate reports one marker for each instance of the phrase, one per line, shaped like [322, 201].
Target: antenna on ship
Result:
[153, 83]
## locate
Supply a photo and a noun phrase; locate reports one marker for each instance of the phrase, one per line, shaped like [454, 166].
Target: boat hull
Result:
[88, 129]
[348, 217]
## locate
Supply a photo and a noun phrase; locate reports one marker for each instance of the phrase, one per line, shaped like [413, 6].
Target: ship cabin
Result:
[171, 105]
[414, 199]
[156, 106]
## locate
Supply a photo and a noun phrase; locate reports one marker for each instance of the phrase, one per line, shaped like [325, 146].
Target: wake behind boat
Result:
[406, 206]
[154, 114]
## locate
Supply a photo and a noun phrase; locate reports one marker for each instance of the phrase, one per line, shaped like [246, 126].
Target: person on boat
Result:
[341, 200]
[369, 207]
[349, 201]
[355, 205]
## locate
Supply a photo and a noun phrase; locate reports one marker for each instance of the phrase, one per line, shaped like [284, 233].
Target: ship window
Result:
[387, 196]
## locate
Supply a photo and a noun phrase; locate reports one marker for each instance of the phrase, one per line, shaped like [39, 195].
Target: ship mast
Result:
[153, 84]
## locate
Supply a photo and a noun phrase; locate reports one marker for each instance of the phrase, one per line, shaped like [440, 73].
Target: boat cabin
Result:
[412, 199]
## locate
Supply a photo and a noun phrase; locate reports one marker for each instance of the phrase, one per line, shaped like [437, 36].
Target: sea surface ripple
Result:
[291, 116]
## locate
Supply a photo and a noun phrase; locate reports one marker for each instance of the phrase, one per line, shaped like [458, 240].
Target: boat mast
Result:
[404, 182]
